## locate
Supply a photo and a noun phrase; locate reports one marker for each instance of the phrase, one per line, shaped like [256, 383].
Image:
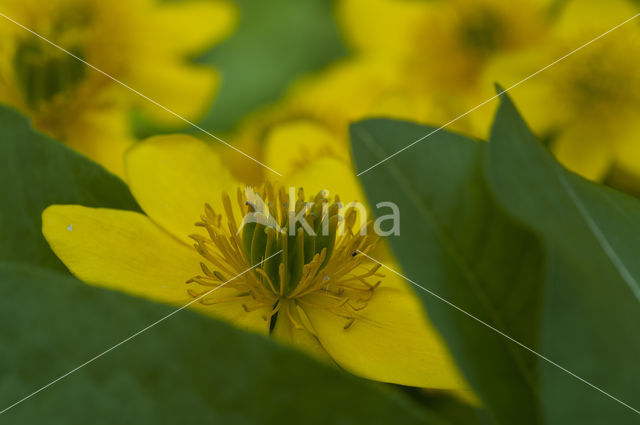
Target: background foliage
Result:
[505, 233]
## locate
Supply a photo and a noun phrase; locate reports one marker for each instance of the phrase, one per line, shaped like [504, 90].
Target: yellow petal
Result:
[163, 70]
[293, 145]
[338, 177]
[627, 147]
[586, 154]
[185, 90]
[380, 26]
[172, 177]
[588, 19]
[191, 27]
[125, 251]
[391, 340]
[350, 90]
[508, 69]
[120, 250]
[286, 333]
[326, 173]
[242, 168]
[102, 135]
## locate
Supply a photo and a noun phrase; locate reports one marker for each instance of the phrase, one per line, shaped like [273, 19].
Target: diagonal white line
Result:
[499, 94]
[140, 94]
[600, 236]
[129, 338]
[444, 300]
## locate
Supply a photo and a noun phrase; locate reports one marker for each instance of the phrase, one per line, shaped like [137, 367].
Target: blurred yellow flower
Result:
[419, 61]
[316, 295]
[446, 56]
[143, 43]
[589, 102]
[316, 112]
[442, 47]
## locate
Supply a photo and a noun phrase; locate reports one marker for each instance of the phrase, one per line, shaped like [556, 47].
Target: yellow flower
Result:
[419, 61]
[316, 295]
[589, 102]
[143, 43]
[443, 47]
[319, 109]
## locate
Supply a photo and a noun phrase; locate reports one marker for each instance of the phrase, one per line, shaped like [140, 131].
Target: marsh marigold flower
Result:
[143, 43]
[318, 293]
[442, 48]
[314, 115]
[589, 102]
[419, 61]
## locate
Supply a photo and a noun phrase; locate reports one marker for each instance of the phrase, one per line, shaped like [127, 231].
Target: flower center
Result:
[306, 253]
[591, 82]
[482, 32]
[44, 71]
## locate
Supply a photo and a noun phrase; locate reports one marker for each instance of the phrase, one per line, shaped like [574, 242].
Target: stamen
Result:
[281, 274]
[305, 320]
[273, 312]
[266, 277]
[349, 323]
[294, 321]
[319, 262]
[253, 308]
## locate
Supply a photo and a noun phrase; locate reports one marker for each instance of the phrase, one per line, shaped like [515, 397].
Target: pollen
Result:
[306, 253]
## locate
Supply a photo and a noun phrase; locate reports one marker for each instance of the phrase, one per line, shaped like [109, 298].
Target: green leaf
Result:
[592, 239]
[188, 369]
[455, 241]
[275, 42]
[37, 171]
